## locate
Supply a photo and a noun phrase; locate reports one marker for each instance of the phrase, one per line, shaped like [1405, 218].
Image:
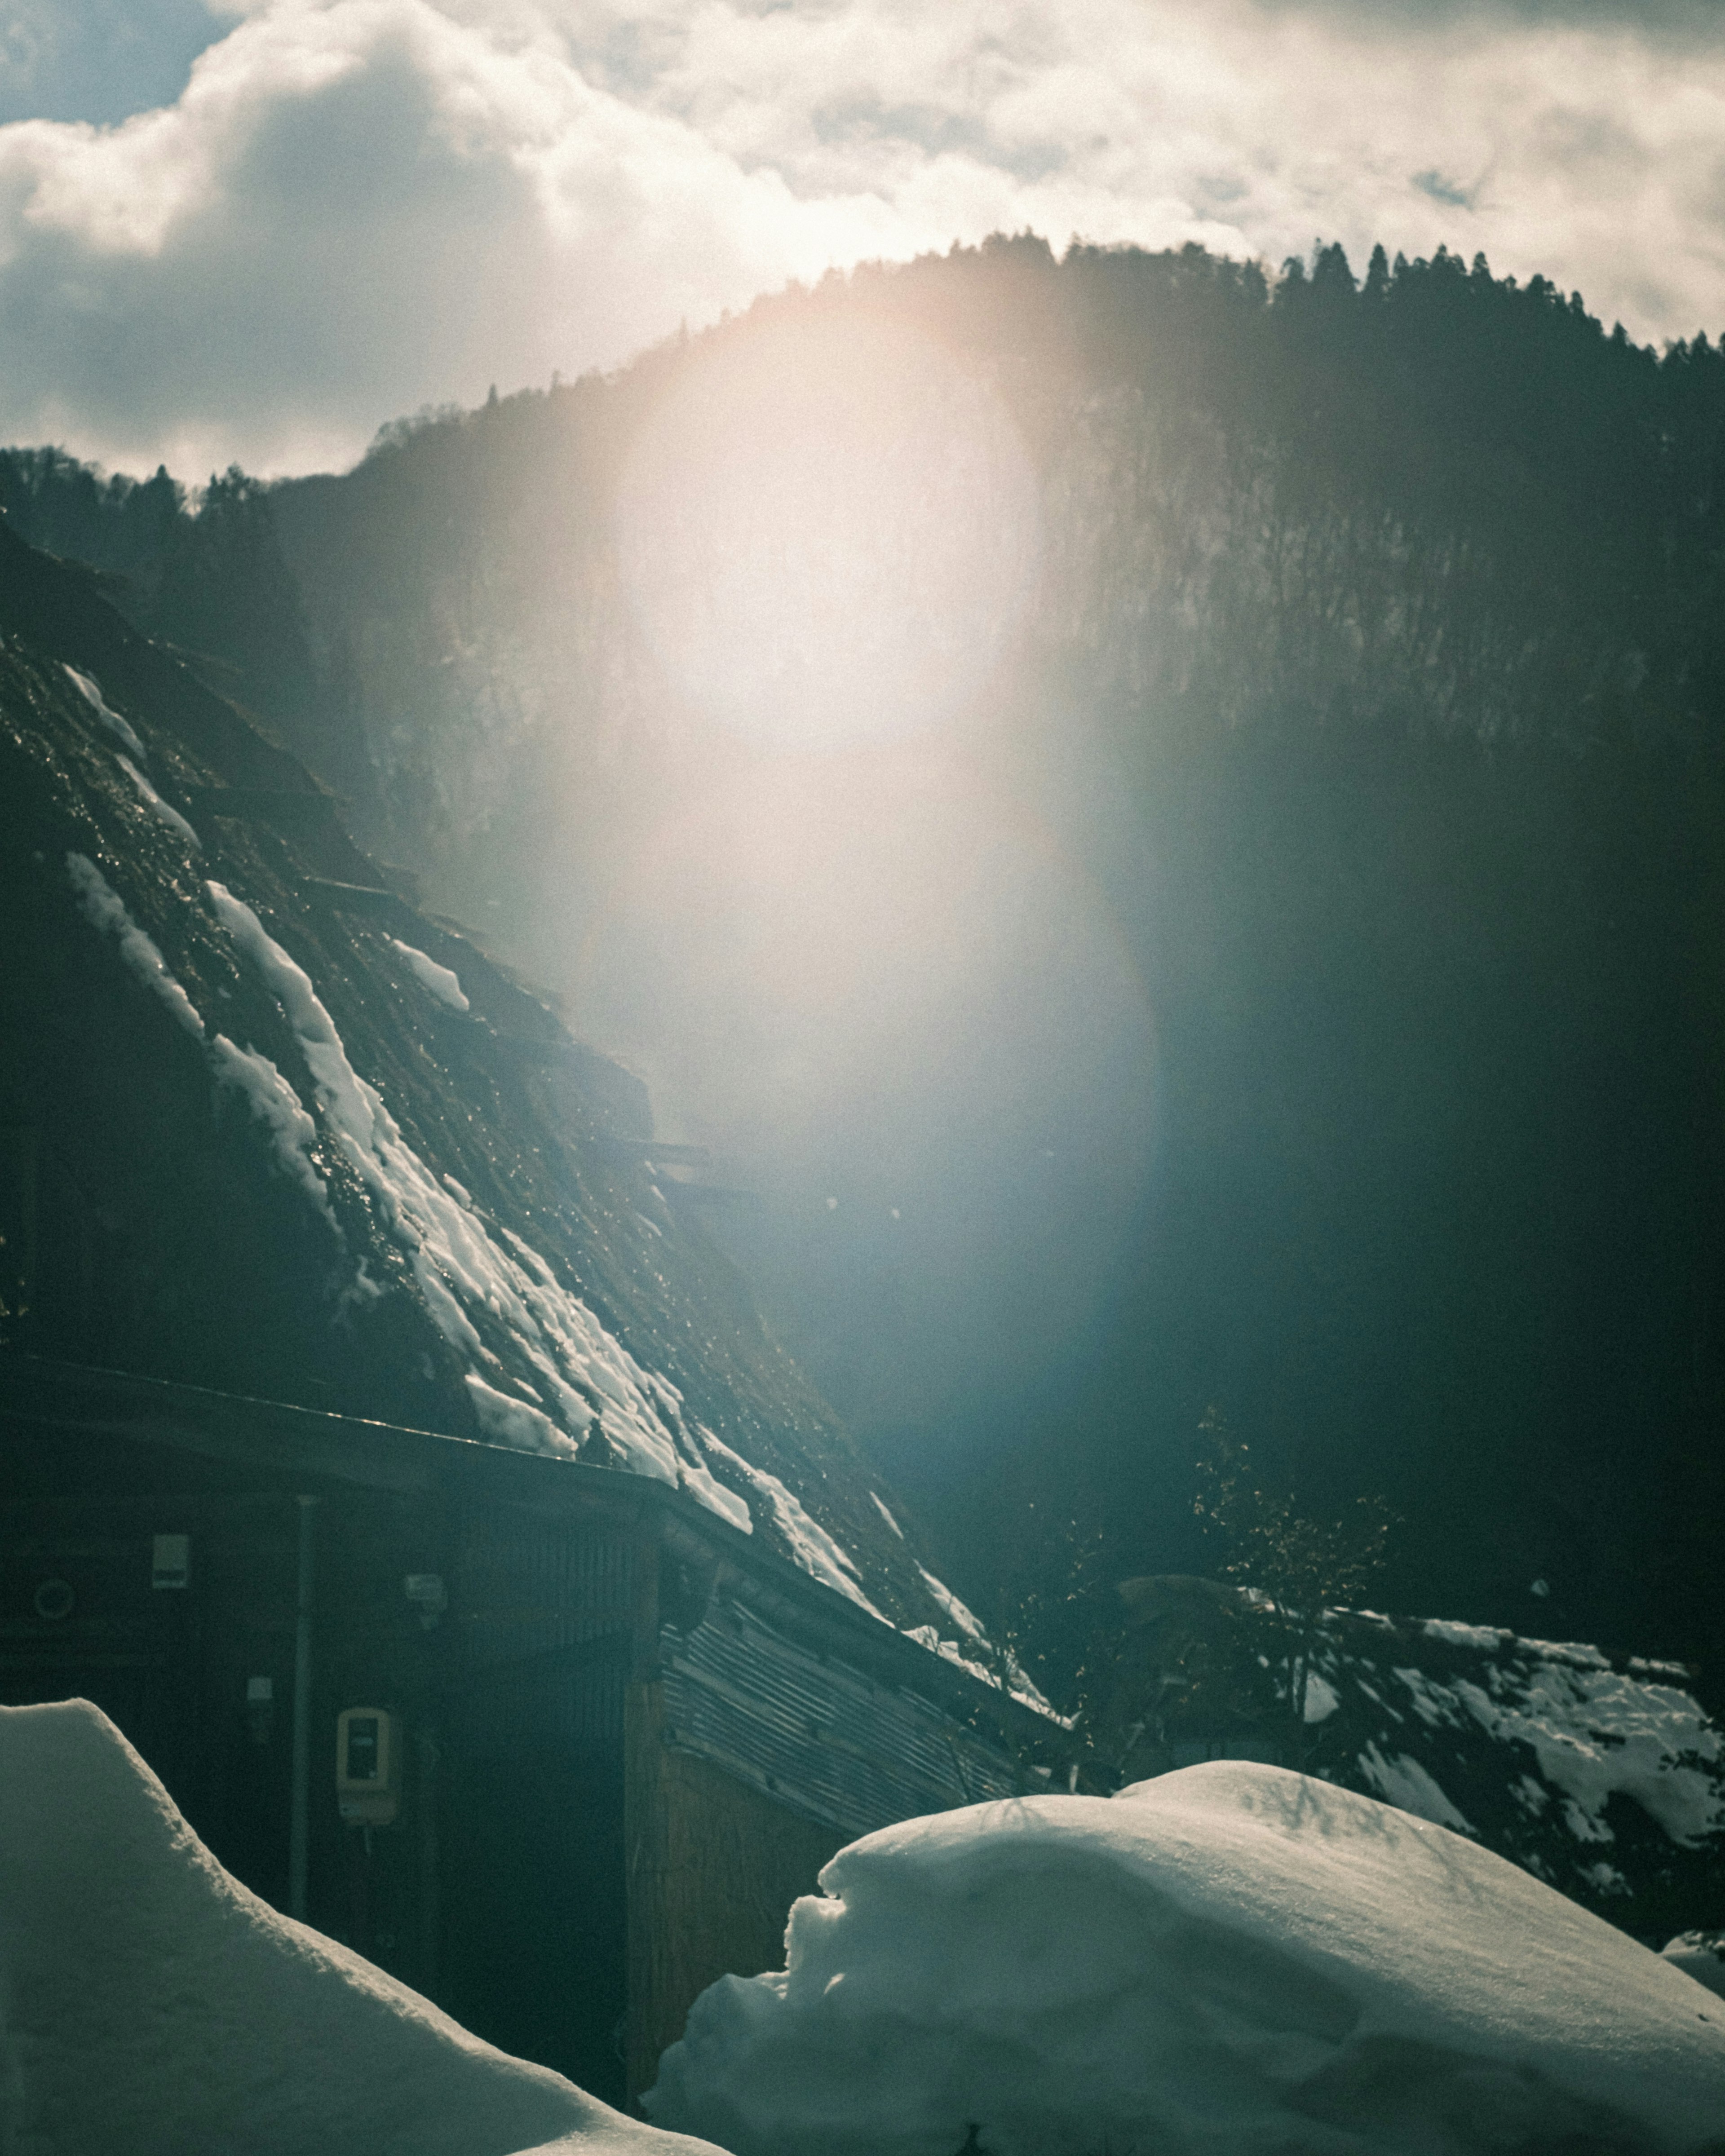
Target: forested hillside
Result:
[1347, 694]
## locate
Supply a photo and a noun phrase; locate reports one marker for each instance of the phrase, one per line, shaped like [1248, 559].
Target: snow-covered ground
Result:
[150, 2005]
[1231, 1960]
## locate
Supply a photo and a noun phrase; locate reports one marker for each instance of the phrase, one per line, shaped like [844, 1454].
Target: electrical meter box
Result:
[368, 1765]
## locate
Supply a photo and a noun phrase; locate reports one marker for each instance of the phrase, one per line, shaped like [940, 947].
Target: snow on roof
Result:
[275, 1105]
[467, 1279]
[162, 810]
[104, 910]
[1232, 1958]
[154, 2004]
[881, 1508]
[442, 982]
[814, 1548]
[119, 728]
[426, 1197]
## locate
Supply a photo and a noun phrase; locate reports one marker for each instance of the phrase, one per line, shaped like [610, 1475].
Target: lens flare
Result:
[892, 987]
[826, 532]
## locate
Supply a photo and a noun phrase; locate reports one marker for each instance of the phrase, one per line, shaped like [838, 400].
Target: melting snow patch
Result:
[1018, 1683]
[887, 1516]
[1559, 1713]
[278, 1107]
[104, 910]
[437, 980]
[809, 1543]
[112, 720]
[1433, 1703]
[949, 1602]
[153, 801]
[1024, 1688]
[513, 1422]
[1226, 1959]
[698, 1477]
[1487, 1638]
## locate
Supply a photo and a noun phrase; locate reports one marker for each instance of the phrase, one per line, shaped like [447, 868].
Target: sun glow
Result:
[826, 537]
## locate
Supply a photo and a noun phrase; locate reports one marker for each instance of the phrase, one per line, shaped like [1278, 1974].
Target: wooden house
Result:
[414, 1486]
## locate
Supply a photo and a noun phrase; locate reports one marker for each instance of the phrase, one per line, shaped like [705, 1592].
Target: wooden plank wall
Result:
[714, 1866]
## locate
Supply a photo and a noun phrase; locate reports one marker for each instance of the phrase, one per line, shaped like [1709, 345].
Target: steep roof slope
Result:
[285, 1136]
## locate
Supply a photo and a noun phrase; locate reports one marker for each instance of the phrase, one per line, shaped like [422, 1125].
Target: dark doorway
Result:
[535, 1920]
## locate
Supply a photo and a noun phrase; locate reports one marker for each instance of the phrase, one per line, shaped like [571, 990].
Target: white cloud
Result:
[357, 207]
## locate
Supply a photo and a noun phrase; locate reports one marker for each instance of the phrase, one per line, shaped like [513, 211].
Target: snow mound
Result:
[1233, 1960]
[150, 2003]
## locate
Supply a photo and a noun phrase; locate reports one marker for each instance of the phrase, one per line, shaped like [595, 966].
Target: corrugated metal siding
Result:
[818, 1737]
[545, 1619]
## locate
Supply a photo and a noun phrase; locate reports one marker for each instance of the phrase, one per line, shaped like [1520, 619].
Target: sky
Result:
[258, 234]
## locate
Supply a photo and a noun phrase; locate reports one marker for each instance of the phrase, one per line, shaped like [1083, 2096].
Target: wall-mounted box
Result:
[170, 1560]
[367, 1765]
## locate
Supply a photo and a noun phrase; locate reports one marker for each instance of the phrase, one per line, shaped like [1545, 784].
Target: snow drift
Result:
[150, 2003]
[1232, 1960]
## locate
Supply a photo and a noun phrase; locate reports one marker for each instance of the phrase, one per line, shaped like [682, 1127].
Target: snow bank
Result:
[1229, 1961]
[150, 2003]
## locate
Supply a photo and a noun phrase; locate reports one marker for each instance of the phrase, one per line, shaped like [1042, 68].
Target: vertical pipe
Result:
[430, 1898]
[298, 1831]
